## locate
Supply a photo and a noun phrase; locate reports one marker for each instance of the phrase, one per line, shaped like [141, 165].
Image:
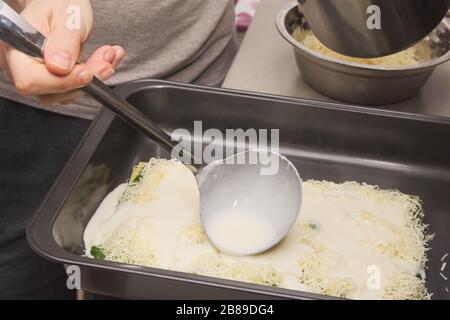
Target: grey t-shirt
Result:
[180, 40]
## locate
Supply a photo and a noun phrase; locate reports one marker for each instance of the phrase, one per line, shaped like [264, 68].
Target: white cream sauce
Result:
[169, 224]
[239, 234]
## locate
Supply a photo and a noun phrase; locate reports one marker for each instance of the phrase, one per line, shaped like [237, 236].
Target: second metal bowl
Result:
[345, 26]
[360, 83]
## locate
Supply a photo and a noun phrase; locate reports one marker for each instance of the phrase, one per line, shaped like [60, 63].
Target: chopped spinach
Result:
[97, 253]
[138, 178]
[313, 226]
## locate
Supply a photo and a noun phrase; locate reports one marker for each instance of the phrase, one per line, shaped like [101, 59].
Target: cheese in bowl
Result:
[408, 57]
[351, 240]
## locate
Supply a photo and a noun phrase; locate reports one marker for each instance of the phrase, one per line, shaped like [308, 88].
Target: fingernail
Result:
[84, 77]
[109, 55]
[106, 74]
[62, 59]
[119, 52]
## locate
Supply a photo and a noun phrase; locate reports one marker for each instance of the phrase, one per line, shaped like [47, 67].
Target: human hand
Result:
[59, 78]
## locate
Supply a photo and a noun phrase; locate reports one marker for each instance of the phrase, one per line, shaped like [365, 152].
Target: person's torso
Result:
[163, 38]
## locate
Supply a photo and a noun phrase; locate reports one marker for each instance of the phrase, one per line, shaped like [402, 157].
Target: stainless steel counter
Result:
[265, 63]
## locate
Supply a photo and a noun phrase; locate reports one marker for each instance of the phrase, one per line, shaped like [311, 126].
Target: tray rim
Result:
[136, 86]
[39, 227]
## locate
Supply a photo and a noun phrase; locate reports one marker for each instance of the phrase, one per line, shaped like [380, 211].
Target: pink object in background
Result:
[245, 11]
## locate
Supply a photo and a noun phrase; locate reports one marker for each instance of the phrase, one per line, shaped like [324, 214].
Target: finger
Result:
[100, 69]
[105, 54]
[33, 78]
[120, 53]
[110, 54]
[101, 62]
[63, 45]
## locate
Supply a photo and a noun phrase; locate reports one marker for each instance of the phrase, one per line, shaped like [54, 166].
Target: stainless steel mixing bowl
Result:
[360, 83]
[342, 25]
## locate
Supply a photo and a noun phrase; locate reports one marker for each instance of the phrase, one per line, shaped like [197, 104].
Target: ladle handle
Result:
[18, 33]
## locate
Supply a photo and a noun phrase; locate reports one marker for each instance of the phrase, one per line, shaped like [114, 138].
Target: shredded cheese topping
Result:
[140, 190]
[342, 230]
[124, 245]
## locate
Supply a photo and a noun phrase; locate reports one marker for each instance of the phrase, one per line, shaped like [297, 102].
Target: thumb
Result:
[62, 48]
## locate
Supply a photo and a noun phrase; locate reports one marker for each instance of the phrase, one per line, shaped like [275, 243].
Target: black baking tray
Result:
[324, 141]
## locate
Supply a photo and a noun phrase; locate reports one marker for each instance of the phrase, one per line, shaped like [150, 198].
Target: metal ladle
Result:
[276, 198]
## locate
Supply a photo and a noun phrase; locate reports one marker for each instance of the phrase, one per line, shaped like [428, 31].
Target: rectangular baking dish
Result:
[324, 140]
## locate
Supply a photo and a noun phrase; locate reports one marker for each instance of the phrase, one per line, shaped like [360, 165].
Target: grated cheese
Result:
[213, 264]
[193, 233]
[124, 245]
[403, 285]
[152, 175]
[406, 57]
[342, 229]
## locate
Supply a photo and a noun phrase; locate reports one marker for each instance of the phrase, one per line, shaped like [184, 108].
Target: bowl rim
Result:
[281, 17]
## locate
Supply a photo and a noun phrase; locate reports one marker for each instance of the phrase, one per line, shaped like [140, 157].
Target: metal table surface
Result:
[265, 63]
